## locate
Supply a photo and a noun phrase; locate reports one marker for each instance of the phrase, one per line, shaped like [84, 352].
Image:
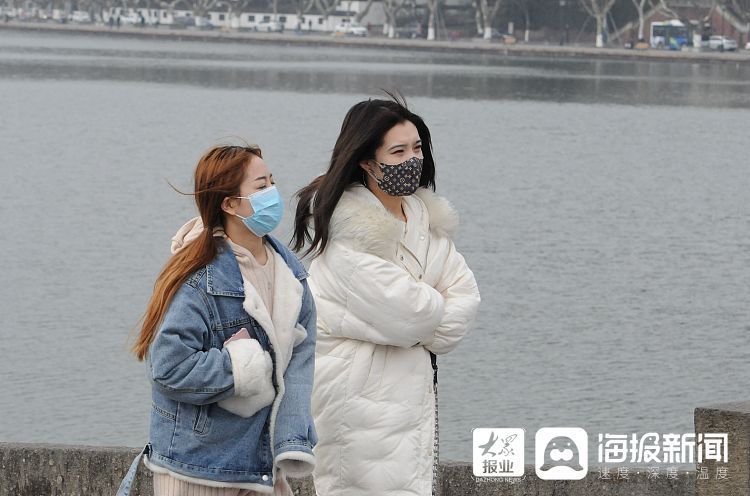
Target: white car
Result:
[130, 18]
[270, 27]
[722, 43]
[80, 16]
[352, 29]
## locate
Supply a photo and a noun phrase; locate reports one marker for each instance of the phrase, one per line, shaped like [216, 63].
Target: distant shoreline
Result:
[464, 46]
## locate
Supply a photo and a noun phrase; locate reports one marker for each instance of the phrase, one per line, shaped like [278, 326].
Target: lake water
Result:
[605, 211]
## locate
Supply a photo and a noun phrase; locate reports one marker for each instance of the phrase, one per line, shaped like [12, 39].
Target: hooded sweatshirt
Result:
[261, 277]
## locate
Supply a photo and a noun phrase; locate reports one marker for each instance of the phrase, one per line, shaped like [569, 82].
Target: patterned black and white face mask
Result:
[401, 179]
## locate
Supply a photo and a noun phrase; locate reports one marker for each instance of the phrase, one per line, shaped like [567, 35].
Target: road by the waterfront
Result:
[462, 46]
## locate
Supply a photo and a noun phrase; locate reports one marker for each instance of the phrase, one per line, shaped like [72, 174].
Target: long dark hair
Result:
[362, 132]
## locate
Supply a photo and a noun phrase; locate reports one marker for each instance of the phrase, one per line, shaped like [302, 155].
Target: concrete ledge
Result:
[734, 419]
[64, 470]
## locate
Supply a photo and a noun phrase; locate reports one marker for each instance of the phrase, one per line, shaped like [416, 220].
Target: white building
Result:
[345, 13]
[251, 21]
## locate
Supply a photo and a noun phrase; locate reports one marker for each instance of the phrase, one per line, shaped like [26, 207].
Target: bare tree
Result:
[598, 9]
[302, 7]
[169, 6]
[235, 8]
[737, 14]
[525, 7]
[433, 5]
[639, 23]
[640, 7]
[108, 6]
[326, 7]
[202, 7]
[740, 9]
[478, 17]
[489, 10]
[362, 13]
[673, 8]
[38, 6]
[705, 9]
[391, 9]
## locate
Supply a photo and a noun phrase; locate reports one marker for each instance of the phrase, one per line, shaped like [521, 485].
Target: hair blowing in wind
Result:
[219, 173]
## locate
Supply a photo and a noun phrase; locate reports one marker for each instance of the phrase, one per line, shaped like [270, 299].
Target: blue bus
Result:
[669, 34]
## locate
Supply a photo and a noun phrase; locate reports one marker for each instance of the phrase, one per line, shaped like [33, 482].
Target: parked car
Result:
[722, 43]
[414, 30]
[80, 16]
[46, 15]
[182, 22]
[270, 26]
[498, 37]
[8, 13]
[203, 23]
[131, 18]
[747, 45]
[350, 29]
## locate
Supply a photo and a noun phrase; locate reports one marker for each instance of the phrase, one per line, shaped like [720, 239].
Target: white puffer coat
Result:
[383, 305]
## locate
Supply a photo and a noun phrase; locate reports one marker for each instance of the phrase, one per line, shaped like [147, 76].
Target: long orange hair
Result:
[219, 174]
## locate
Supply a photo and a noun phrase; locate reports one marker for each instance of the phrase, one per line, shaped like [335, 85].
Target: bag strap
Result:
[433, 359]
[436, 438]
[127, 482]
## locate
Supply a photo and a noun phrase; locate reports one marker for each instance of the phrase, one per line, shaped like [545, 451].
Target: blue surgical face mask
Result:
[267, 211]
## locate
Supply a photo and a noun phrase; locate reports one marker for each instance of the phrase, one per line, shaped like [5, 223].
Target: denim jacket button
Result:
[265, 477]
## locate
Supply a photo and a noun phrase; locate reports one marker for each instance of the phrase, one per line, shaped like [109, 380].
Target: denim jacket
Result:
[191, 374]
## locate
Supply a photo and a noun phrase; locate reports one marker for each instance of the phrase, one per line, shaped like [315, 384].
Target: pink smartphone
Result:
[241, 334]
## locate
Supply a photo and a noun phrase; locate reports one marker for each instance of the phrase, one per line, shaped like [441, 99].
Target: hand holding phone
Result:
[241, 334]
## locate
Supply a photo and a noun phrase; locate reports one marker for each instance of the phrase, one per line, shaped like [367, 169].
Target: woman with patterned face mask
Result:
[392, 292]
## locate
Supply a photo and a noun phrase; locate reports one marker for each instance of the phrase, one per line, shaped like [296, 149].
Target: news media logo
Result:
[498, 452]
[561, 453]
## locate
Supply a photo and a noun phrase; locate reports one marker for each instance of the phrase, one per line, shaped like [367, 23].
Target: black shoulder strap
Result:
[433, 359]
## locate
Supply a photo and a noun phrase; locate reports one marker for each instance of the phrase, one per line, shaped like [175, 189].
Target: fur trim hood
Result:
[364, 223]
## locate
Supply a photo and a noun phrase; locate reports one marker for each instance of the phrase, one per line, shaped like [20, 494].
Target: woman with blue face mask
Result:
[229, 339]
[392, 292]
